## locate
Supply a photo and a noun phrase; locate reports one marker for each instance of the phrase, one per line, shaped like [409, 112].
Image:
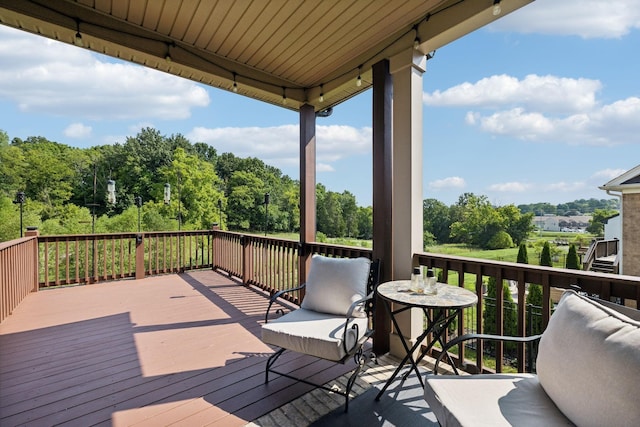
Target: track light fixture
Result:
[78, 37]
[359, 79]
[321, 98]
[284, 96]
[235, 84]
[497, 9]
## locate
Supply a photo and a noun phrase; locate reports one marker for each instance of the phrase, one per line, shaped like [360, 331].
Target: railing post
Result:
[33, 232]
[304, 263]
[140, 272]
[213, 248]
[246, 258]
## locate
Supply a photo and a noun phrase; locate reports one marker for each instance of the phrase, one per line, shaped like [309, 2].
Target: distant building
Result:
[627, 188]
[613, 228]
[576, 224]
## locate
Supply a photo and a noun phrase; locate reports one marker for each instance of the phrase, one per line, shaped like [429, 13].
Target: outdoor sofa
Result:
[588, 374]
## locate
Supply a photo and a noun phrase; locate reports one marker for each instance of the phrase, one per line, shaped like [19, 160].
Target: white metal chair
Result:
[335, 318]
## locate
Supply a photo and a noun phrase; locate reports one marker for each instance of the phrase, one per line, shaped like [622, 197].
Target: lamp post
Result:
[20, 198]
[111, 191]
[179, 204]
[139, 205]
[220, 212]
[167, 193]
[266, 212]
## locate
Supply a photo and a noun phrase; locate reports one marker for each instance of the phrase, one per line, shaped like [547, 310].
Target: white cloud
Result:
[583, 18]
[567, 187]
[605, 175]
[41, 75]
[78, 130]
[545, 109]
[510, 187]
[452, 182]
[323, 167]
[279, 145]
[549, 93]
[608, 125]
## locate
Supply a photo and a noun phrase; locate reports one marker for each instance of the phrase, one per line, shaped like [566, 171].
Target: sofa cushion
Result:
[588, 363]
[333, 284]
[491, 400]
[310, 332]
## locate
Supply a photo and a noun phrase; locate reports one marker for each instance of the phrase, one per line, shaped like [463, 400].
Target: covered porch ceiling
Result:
[283, 52]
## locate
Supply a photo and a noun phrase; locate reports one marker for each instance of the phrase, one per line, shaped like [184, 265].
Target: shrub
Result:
[545, 256]
[500, 240]
[509, 313]
[573, 262]
[523, 258]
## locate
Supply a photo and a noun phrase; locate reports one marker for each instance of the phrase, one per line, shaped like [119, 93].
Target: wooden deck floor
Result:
[167, 350]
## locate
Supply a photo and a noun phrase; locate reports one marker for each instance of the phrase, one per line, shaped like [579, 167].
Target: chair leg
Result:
[361, 359]
[272, 359]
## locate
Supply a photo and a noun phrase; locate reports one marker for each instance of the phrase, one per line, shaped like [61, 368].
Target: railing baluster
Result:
[57, 265]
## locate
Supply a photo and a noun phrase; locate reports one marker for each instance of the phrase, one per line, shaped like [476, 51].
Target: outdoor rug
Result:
[400, 405]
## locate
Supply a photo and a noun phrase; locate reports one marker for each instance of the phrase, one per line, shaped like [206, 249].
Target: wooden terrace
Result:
[180, 349]
[166, 329]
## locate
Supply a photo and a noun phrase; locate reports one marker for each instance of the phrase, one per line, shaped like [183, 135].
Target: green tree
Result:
[509, 313]
[534, 309]
[199, 189]
[365, 222]
[523, 257]
[436, 219]
[349, 213]
[516, 224]
[598, 219]
[545, 255]
[245, 205]
[500, 240]
[534, 296]
[573, 261]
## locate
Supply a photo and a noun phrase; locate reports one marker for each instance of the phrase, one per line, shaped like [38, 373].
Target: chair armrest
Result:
[277, 295]
[467, 337]
[355, 304]
[348, 318]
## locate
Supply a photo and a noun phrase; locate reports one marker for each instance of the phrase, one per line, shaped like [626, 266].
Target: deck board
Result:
[175, 349]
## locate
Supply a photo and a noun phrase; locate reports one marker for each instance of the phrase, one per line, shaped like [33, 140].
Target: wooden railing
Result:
[92, 258]
[176, 251]
[268, 263]
[18, 272]
[461, 271]
[274, 264]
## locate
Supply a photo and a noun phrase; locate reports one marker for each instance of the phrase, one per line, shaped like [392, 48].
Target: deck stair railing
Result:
[602, 253]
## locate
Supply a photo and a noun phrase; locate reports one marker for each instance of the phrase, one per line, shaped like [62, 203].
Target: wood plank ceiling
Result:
[280, 51]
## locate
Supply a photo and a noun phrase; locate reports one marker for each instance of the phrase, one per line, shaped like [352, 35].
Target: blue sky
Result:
[541, 106]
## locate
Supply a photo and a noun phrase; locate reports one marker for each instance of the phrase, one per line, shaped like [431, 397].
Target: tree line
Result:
[65, 190]
[474, 221]
[577, 207]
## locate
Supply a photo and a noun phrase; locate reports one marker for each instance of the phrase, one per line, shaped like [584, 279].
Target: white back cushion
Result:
[334, 284]
[589, 361]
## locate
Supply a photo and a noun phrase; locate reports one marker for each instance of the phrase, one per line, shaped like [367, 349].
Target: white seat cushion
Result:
[491, 400]
[310, 332]
[588, 363]
[333, 284]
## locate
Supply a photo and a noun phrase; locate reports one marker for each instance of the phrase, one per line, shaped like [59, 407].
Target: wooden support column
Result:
[382, 193]
[307, 185]
[406, 69]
